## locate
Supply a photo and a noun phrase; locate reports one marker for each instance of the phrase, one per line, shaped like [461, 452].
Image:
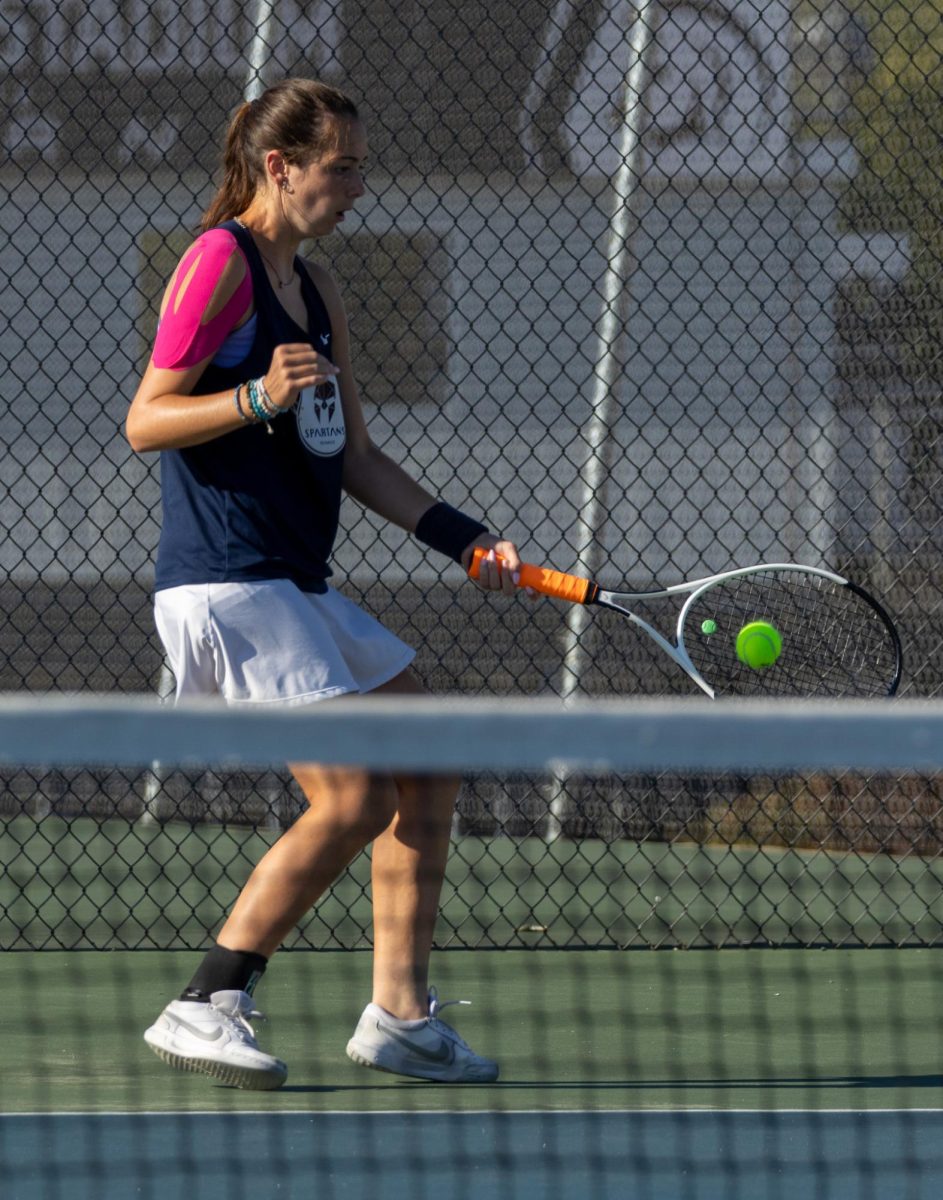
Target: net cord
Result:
[476, 734]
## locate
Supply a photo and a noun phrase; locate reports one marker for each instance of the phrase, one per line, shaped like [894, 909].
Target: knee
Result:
[378, 814]
[373, 809]
[428, 799]
[443, 791]
[353, 803]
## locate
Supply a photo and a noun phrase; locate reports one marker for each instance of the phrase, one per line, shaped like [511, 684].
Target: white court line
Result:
[474, 1112]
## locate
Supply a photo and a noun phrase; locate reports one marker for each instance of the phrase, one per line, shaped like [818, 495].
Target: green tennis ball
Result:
[759, 645]
[708, 626]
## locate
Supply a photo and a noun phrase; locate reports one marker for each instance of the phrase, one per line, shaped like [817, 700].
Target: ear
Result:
[276, 168]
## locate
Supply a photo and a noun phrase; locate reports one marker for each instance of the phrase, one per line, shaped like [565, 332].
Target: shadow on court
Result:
[709, 1074]
[722, 1029]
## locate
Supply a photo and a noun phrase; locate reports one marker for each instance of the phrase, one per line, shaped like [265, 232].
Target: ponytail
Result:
[296, 116]
[238, 187]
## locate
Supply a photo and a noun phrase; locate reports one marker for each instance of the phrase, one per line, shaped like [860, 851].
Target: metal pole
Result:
[533, 97]
[259, 48]
[155, 805]
[607, 367]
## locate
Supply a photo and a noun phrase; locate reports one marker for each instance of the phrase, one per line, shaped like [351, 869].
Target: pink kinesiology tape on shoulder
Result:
[184, 338]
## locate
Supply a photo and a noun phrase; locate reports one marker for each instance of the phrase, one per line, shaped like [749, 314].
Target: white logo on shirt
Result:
[320, 417]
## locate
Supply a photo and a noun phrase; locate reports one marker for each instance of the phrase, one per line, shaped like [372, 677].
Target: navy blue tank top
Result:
[249, 505]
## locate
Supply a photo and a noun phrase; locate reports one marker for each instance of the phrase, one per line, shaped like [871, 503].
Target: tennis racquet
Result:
[834, 639]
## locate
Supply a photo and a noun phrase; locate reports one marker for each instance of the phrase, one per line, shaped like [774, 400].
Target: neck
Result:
[277, 244]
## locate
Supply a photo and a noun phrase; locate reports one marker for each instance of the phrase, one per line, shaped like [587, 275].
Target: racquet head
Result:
[836, 640]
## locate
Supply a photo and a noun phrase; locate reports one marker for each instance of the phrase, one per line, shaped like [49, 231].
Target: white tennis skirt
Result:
[271, 643]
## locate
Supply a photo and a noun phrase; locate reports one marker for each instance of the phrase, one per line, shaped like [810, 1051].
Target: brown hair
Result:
[296, 116]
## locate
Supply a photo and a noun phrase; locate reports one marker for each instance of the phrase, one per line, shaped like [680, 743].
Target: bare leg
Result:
[348, 808]
[408, 868]
[409, 820]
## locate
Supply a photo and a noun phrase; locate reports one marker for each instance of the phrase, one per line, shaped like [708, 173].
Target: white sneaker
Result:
[216, 1039]
[424, 1049]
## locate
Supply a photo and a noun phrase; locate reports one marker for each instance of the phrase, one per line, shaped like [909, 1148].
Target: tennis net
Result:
[794, 1047]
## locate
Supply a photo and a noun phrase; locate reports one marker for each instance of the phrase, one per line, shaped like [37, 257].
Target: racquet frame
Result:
[577, 589]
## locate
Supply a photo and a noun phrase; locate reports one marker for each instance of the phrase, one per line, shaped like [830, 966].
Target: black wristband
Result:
[447, 530]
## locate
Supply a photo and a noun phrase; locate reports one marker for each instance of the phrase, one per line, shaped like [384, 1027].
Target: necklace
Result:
[271, 266]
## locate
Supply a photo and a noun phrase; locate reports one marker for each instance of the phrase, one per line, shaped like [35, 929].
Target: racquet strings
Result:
[835, 641]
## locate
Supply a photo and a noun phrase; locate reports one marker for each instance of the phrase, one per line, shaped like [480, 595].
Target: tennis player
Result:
[250, 397]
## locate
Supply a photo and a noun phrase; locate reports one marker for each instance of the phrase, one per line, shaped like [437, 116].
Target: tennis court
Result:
[650, 1073]
[94, 885]
[728, 1070]
[655, 288]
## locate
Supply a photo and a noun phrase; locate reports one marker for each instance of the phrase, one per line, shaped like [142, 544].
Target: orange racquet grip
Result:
[572, 588]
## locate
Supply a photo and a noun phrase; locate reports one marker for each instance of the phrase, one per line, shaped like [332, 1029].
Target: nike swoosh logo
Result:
[203, 1036]
[445, 1052]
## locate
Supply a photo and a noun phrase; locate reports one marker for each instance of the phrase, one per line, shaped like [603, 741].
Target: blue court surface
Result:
[700, 1155]
[702, 1075]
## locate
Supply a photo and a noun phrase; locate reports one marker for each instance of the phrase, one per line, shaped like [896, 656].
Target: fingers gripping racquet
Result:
[778, 629]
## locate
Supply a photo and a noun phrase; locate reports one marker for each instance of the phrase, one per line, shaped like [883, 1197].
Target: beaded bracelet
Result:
[237, 401]
[252, 391]
[266, 400]
[259, 410]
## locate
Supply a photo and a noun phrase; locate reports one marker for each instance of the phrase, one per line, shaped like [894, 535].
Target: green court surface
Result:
[88, 884]
[650, 1074]
[636, 1030]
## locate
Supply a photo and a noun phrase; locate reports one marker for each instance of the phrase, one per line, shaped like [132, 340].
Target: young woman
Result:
[250, 398]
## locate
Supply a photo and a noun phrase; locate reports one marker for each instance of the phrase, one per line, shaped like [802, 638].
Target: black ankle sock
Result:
[224, 970]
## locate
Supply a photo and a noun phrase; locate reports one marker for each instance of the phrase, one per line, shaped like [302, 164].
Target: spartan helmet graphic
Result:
[324, 402]
[319, 415]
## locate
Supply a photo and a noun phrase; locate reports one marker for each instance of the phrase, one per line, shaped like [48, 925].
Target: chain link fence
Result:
[655, 288]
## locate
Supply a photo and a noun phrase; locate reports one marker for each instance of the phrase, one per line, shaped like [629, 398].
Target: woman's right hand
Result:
[296, 365]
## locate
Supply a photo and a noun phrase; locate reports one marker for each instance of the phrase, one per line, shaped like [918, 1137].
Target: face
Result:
[323, 191]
